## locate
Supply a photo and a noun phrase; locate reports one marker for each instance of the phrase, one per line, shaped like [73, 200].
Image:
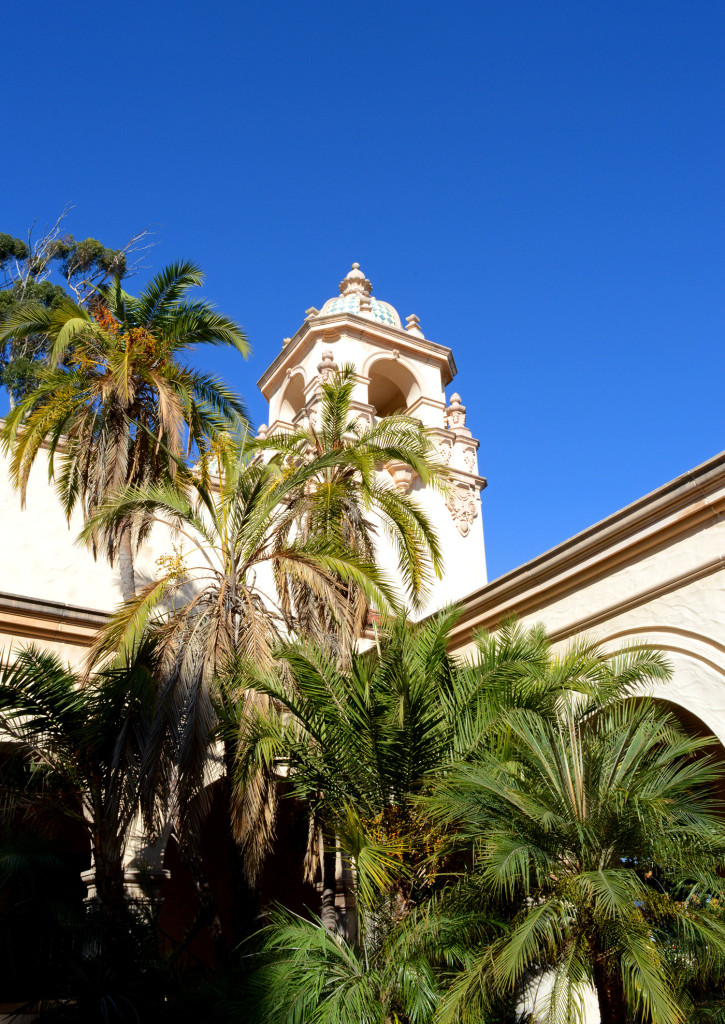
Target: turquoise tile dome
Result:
[383, 312]
[353, 290]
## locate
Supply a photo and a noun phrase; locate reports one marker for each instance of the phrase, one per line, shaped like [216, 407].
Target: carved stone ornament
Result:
[263, 431]
[456, 413]
[462, 505]
[402, 474]
[412, 325]
[469, 457]
[311, 417]
[327, 367]
[444, 447]
[355, 283]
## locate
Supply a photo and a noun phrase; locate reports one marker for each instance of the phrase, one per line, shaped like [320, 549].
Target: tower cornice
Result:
[328, 328]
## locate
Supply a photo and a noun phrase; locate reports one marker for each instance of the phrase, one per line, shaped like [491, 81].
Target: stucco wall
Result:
[660, 580]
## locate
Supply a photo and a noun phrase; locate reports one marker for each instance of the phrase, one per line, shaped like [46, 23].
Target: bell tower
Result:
[398, 370]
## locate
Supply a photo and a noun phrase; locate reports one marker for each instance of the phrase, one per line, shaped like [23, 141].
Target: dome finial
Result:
[355, 283]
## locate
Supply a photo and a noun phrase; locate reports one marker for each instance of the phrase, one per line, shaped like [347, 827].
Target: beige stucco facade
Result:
[654, 571]
[52, 590]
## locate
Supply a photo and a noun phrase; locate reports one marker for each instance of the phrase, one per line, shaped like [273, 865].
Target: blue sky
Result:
[540, 181]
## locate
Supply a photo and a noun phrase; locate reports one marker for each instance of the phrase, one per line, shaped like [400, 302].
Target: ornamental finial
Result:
[456, 412]
[355, 283]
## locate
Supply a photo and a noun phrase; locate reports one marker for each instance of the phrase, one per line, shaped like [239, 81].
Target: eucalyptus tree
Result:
[116, 400]
[602, 836]
[350, 491]
[30, 270]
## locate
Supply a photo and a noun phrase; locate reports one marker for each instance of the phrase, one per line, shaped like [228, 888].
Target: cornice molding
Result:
[49, 620]
[323, 327]
[653, 522]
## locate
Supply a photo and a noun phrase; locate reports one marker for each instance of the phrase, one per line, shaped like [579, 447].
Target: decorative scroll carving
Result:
[462, 505]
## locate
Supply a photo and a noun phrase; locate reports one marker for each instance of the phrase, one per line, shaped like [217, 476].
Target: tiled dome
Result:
[355, 297]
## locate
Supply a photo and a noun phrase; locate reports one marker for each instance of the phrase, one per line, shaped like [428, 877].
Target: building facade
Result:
[653, 572]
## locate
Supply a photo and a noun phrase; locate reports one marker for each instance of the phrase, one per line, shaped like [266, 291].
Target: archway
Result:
[695, 727]
[293, 399]
[697, 661]
[392, 388]
[240, 907]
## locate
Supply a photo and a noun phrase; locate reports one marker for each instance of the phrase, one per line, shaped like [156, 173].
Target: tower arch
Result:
[393, 386]
[292, 399]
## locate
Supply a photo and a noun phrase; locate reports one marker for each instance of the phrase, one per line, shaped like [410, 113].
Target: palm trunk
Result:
[328, 909]
[125, 562]
[610, 992]
[110, 890]
[108, 879]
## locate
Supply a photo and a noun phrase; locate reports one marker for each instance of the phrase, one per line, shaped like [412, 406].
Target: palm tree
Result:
[87, 743]
[116, 399]
[301, 971]
[356, 744]
[598, 832]
[360, 743]
[336, 504]
[215, 600]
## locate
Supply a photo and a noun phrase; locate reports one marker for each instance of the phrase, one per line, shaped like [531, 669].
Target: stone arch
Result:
[697, 686]
[393, 385]
[293, 396]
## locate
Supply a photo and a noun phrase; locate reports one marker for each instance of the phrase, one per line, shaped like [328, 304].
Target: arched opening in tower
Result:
[392, 388]
[293, 399]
